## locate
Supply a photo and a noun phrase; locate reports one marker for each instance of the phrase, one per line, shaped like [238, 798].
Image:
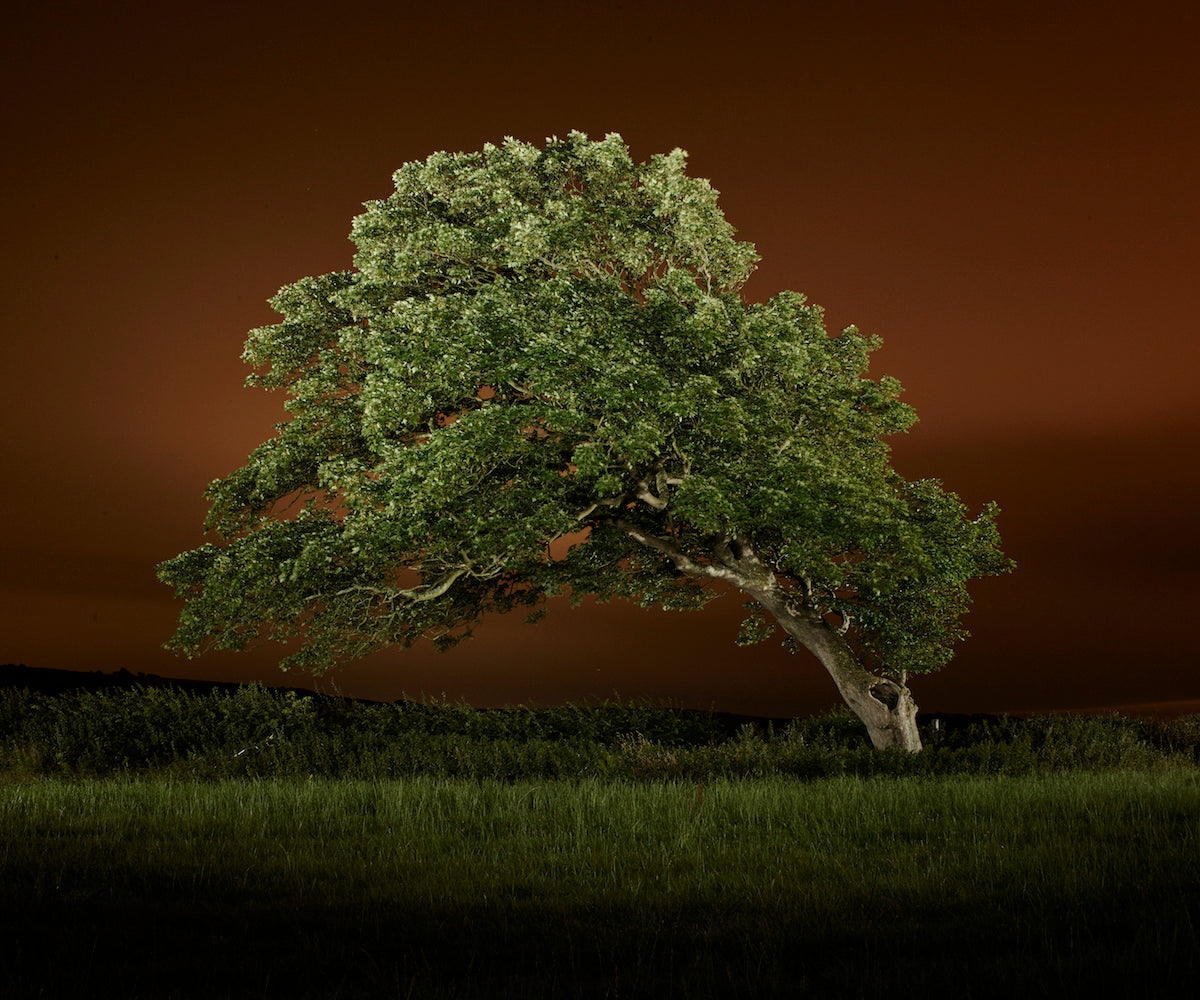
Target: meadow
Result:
[262, 844]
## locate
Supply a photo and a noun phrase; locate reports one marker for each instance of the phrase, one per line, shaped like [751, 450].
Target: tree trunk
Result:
[885, 706]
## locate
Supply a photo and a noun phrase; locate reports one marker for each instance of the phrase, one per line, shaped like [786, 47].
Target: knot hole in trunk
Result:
[886, 693]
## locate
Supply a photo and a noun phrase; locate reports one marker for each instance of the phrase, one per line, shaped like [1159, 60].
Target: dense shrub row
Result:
[256, 731]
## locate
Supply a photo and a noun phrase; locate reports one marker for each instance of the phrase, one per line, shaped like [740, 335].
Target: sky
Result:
[1006, 194]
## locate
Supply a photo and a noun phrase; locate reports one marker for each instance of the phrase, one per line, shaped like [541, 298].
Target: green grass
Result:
[1042, 885]
[155, 843]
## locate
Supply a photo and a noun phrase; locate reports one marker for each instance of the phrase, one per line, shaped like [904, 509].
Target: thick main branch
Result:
[682, 562]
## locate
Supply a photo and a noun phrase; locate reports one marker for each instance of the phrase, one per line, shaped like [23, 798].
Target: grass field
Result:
[155, 843]
[986, 887]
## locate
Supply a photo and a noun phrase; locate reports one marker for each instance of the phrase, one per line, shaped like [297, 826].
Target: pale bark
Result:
[885, 706]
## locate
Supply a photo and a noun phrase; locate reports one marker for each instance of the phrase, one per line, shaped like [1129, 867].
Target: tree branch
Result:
[663, 481]
[643, 493]
[683, 562]
[606, 502]
[413, 594]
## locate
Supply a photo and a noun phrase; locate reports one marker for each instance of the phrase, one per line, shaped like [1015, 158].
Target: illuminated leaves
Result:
[539, 344]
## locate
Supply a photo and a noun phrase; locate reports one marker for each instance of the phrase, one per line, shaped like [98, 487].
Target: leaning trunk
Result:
[885, 706]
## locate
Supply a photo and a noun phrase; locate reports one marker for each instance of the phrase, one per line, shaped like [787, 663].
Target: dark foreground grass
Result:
[1041, 885]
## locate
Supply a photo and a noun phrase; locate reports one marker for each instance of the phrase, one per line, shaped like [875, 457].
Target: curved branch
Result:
[683, 562]
[606, 502]
[413, 594]
[644, 494]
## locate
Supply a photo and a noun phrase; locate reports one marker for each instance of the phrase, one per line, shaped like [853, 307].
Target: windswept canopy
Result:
[540, 378]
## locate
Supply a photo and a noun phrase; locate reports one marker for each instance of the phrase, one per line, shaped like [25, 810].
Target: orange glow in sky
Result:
[1006, 194]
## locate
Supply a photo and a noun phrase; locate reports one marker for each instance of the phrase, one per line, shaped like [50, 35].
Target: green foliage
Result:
[539, 378]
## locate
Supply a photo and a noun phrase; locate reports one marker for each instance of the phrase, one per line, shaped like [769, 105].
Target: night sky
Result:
[1008, 194]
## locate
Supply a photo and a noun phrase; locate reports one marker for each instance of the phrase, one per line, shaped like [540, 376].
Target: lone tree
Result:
[541, 346]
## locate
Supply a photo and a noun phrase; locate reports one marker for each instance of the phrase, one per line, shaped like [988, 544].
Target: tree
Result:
[541, 378]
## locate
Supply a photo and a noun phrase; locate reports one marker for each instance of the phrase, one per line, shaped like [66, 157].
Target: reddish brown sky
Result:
[1007, 194]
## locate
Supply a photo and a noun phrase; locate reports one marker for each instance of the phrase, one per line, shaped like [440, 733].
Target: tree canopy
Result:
[540, 378]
